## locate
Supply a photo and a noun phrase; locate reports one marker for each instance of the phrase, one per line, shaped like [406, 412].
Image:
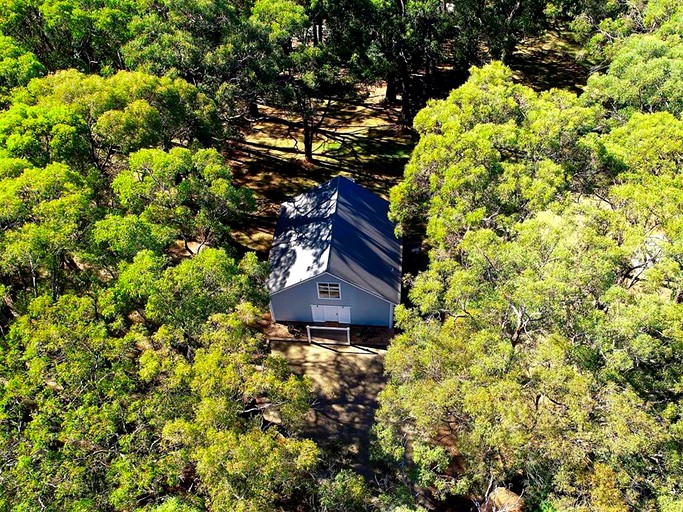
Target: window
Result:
[329, 291]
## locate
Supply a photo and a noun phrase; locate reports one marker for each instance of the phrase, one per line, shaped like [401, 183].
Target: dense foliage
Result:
[132, 378]
[294, 55]
[127, 375]
[544, 350]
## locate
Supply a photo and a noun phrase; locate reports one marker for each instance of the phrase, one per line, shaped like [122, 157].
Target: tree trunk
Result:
[253, 108]
[308, 141]
[34, 281]
[428, 79]
[405, 101]
[317, 30]
[54, 278]
[187, 247]
[390, 95]
[429, 63]
[406, 91]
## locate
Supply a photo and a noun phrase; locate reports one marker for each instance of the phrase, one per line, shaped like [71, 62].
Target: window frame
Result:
[329, 289]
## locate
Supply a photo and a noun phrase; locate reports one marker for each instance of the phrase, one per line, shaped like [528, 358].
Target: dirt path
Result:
[346, 381]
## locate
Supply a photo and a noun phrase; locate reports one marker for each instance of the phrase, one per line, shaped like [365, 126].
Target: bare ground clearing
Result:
[363, 141]
[346, 381]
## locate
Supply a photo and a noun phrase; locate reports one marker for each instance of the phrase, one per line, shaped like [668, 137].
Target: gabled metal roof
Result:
[342, 229]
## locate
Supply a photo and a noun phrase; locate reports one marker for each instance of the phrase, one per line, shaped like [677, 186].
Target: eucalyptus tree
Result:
[17, 67]
[190, 194]
[92, 122]
[72, 34]
[543, 348]
[645, 71]
[490, 154]
[96, 421]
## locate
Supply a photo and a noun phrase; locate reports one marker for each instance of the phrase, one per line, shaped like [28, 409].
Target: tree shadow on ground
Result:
[549, 61]
[346, 381]
[360, 140]
[363, 138]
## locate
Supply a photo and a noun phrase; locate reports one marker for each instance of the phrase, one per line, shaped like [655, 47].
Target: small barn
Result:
[335, 258]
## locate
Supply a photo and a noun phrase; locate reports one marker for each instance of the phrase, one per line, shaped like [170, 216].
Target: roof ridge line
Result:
[334, 217]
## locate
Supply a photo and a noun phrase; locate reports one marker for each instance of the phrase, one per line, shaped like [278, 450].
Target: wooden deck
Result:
[360, 335]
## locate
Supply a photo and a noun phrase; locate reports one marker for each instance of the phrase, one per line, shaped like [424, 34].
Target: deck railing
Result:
[310, 328]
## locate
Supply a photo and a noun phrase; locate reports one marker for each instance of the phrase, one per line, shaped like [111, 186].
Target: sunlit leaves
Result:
[489, 154]
[17, 67]
[191, 195]
[548, 351]
[646, 71]
[70, 34]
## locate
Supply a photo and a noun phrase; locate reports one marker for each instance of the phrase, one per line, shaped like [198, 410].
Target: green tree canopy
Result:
[490, 154]
[44, 215]
[152, 422]
[17, 66]
[71, 33]
[543, 351]
[645, 72]
[189, 194]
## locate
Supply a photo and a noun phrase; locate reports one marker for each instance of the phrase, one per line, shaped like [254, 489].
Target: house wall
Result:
[294, 304]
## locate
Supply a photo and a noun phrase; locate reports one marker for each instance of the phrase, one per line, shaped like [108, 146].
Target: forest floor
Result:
[551, 60]
[346, 381]
[363, 140]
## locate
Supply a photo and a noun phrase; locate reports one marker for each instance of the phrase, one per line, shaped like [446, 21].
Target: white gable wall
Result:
[294, 304]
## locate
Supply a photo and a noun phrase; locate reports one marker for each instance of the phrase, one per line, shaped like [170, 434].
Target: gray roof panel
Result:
[340, 228]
